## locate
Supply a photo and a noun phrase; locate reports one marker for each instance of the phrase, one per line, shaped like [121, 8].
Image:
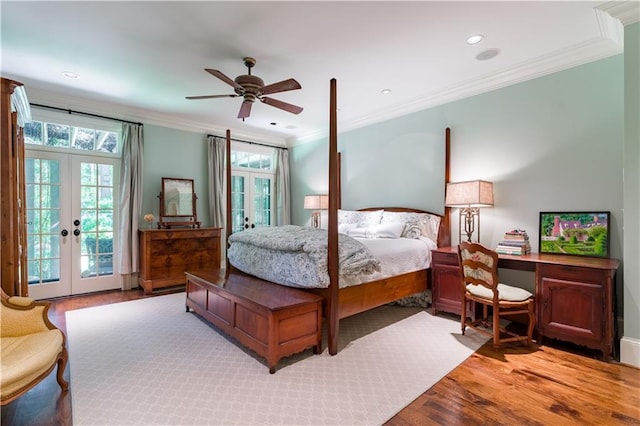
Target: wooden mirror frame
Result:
[188, 214]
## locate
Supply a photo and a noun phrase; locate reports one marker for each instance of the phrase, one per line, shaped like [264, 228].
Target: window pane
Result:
[33, 133]
[84, 138]
[89, 197]
[88, 175]
[58, 135]
[106, 141]
[105, 174]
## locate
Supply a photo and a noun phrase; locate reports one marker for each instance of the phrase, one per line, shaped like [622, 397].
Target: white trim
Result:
[630, 351]
[628, 12]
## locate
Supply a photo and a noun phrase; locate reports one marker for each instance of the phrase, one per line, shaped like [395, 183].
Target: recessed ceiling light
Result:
[487, 54]
[386, 91]
[70, 74]
[476, 38]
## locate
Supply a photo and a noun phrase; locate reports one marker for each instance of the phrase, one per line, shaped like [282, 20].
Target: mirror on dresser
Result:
[177, 204]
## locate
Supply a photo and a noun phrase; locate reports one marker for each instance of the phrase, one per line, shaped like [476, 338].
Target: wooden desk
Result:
[574, 295]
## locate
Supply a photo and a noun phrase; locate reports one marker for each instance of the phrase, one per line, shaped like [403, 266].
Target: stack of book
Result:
[515, 242]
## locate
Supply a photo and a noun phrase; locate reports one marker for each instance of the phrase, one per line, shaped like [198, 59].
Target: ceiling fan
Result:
[251, 87]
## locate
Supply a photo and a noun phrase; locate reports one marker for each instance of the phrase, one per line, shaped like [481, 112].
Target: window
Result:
[253, 171]
[63, 136]
[73, 133]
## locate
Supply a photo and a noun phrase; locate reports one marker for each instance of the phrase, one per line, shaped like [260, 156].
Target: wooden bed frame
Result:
[338, 302]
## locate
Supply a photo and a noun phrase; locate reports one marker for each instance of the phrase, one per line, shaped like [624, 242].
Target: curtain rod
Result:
[70, 111]
[252, 143]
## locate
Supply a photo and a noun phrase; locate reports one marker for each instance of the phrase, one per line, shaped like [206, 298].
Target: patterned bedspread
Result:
[297, 256]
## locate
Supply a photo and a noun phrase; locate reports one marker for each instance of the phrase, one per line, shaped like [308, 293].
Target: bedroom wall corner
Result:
[630, 342]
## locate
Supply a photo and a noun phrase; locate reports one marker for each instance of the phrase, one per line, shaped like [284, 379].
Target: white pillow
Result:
[344, 228]
[363, 219]
[389, 230]
[416, 224]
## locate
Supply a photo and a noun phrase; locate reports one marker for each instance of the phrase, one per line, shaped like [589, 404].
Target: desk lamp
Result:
[316, 203]
[469, 196]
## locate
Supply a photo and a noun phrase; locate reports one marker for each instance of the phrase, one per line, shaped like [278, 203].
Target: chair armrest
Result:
[20, 301]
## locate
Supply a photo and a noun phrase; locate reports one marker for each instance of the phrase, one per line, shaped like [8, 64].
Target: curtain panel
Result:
[130, 198]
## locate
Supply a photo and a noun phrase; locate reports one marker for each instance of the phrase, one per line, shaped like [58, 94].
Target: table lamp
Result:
[316, 203]
[469, 196]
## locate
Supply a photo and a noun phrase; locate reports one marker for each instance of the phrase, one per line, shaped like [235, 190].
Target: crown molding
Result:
[560, 60]
[128, 113]
[628, 12]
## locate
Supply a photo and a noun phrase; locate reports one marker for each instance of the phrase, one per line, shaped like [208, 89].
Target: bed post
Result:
[444, 237]
[332, 314]
[228, 219]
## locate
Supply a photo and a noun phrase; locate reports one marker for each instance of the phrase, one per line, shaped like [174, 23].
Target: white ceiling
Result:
[138, 60]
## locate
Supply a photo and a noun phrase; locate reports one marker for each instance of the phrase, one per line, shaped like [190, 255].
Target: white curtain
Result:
[130, 198]
[216, 158]
[217, 199]
[282, 213]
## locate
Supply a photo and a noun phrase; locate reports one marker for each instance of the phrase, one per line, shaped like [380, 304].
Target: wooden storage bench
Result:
[274, 321]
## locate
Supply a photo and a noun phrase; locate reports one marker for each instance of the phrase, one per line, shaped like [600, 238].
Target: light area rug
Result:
[149, 362]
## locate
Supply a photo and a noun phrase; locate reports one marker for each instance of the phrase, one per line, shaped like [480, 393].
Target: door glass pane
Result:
[42, 179]
[262, 201]
[237, 203]
[96, 212]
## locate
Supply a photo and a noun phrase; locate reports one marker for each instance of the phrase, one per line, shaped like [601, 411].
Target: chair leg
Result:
[496, 326]
[463, 315]
[62, 365]
[532, 322]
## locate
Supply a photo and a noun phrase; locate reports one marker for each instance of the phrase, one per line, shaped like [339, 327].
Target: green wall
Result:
[176, 154]
[552, 143]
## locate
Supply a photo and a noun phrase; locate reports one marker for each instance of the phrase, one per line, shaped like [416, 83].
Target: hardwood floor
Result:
[542, 385]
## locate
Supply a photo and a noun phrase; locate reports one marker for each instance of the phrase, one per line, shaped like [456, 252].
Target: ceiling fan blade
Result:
[211, 96]
[281, 86]
[294, 109]
[224, 78]
[245, 109]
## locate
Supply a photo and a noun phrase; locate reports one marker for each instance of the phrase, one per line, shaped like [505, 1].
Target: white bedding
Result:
[397, 256]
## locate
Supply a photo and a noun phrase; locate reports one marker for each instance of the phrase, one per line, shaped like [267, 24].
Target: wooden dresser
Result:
[166, 254]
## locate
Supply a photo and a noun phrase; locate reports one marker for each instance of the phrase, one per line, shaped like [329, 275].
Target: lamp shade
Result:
[473, 193]
[316, 202]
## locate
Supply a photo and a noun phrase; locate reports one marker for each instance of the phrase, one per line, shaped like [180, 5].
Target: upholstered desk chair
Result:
[479, 272]
[31, 347]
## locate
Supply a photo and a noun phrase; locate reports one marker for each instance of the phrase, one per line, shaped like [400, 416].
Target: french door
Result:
[71, 223]
[251, 200]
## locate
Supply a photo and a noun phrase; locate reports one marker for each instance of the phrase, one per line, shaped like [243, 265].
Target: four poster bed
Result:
[347, 279]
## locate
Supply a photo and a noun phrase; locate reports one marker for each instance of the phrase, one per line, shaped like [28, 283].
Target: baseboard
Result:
[630, 351]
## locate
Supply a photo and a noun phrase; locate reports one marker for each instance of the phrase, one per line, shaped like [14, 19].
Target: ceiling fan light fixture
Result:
[251, 87]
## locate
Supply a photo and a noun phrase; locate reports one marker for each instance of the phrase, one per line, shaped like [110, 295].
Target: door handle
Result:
[64, 232]
[246, 226]
[253, 226]
[76, 222]
[76, 232]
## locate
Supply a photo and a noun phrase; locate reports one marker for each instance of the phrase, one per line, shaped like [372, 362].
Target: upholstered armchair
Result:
[31, 347]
